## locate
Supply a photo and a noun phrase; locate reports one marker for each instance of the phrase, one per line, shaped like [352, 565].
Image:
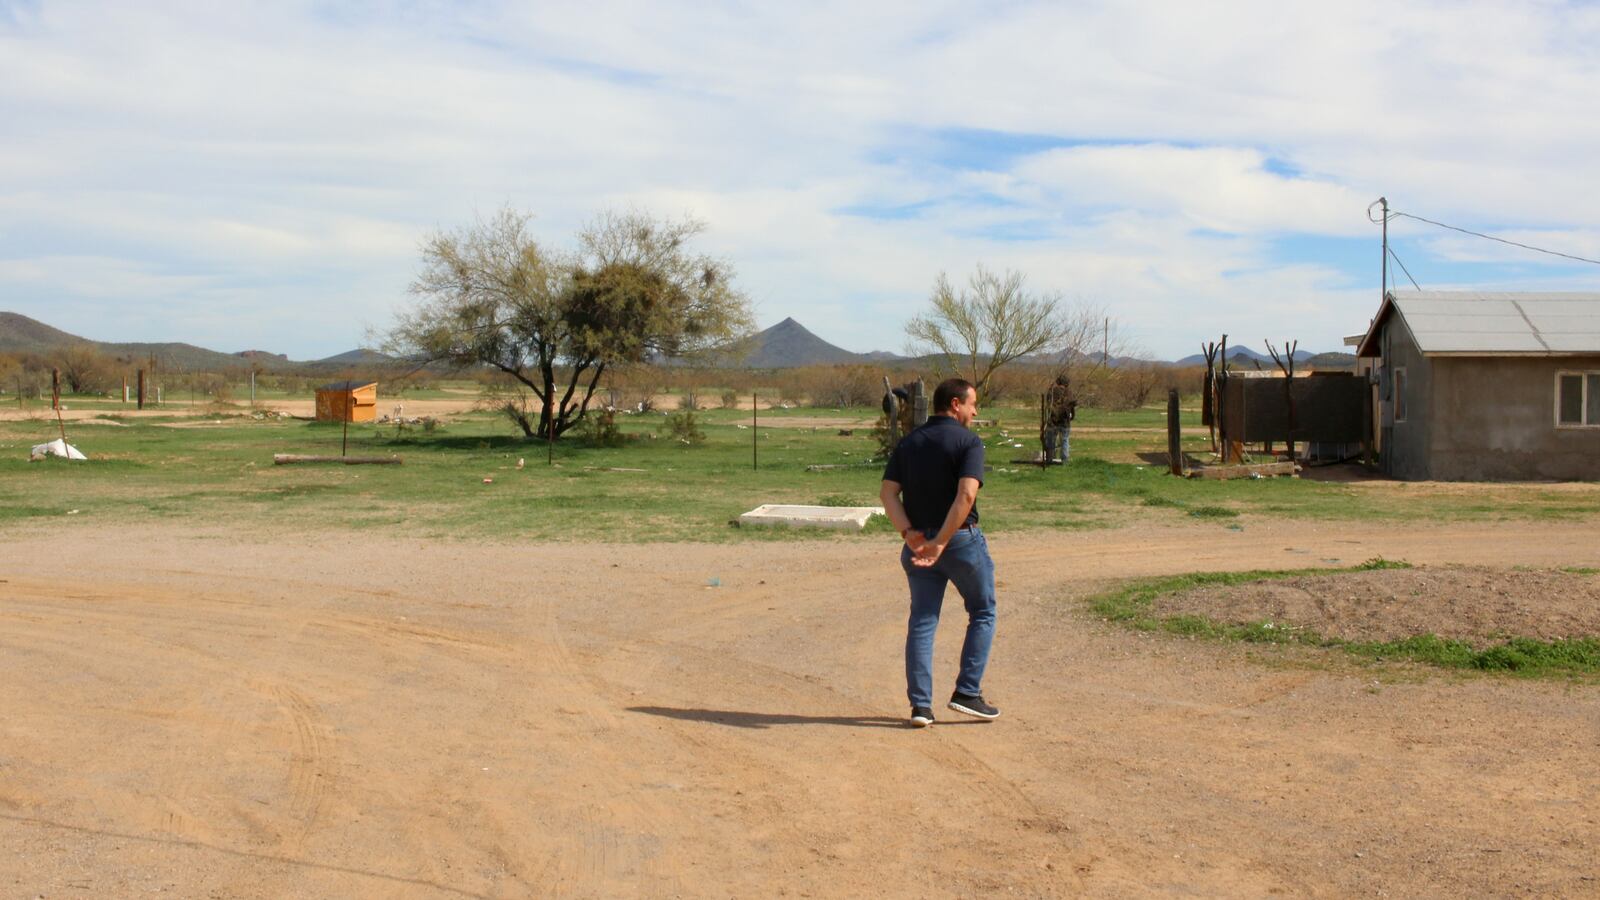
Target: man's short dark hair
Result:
[949, 390]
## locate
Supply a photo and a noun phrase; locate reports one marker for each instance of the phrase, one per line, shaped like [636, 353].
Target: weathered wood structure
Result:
[348, 401]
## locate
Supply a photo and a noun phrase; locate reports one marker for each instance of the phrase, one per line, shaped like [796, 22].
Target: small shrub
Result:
[838, 387]
[599, 428]
[682, 427]
[730, 399]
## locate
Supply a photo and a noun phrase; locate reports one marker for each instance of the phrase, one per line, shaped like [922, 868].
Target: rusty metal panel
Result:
[1328, 408]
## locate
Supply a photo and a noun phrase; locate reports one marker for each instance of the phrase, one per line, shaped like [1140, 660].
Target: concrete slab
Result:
[811, 516]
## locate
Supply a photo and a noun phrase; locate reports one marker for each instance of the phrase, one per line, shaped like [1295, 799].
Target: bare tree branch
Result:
[993, 321]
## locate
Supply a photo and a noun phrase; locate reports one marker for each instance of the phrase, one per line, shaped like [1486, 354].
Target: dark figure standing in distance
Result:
[930, 492]
[1060, 410]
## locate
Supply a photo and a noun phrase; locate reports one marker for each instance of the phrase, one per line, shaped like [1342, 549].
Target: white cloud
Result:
[1216, 188]
[278, 158]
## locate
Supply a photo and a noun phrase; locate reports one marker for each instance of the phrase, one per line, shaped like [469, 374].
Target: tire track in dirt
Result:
[311, 768]
[615, 845]
[983, 787]
[1146, 748]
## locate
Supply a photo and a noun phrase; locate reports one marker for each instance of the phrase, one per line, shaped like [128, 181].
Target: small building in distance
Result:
[355, 399]
[1485, 386]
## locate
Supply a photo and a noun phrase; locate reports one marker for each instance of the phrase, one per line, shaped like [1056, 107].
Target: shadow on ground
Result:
[767, 720]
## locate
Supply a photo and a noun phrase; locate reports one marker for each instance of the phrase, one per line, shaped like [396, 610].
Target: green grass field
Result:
[218, 468]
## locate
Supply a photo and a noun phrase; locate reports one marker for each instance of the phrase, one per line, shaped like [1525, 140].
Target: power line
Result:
[1404, 269]
[1490, 237]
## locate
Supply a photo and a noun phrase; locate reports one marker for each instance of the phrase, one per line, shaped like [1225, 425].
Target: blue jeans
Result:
[1061, 443]
[966, 563]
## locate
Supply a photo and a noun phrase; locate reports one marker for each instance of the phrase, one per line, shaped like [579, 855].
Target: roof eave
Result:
[1532, 354]
[1370, 340]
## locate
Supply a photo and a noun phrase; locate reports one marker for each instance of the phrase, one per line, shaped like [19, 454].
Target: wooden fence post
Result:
[1174, 434]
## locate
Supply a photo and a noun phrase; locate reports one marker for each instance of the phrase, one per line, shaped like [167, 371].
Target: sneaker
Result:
[973, 705]
[921, 717]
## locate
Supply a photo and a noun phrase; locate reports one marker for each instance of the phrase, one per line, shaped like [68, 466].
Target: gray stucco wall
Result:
[1406, 445]
[1494, 420]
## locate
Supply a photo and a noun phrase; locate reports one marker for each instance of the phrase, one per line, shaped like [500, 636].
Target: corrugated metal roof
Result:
[350, 385]
[1489, 323]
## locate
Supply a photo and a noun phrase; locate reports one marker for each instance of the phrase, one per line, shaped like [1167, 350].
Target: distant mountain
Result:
[20, 334]
[1244, 355]
[788, 345]
[265, 357]
[361, 356]
[1334, 360]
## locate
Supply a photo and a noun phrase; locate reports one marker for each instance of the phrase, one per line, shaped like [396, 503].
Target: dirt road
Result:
[265, 715]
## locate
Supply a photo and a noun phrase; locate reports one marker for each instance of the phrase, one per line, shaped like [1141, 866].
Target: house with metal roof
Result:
[1474, 385]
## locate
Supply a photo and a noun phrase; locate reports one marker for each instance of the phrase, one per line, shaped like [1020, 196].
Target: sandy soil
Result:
[216, 714]
[1479, 605]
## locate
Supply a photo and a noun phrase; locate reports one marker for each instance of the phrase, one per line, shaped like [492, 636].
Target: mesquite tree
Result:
[491, 296]
[972, 332]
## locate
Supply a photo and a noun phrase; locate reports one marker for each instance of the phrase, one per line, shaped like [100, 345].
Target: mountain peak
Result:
[788, 344]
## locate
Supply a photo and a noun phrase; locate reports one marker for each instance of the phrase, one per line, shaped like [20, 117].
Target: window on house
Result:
[1578, 399]
[1399, 395]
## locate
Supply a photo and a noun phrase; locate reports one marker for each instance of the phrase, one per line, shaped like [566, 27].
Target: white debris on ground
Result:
[57, 447]
[810, 516]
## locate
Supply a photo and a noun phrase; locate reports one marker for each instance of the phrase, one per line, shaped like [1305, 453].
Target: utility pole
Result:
[1384, 282]
[755, 442]
[55, 401]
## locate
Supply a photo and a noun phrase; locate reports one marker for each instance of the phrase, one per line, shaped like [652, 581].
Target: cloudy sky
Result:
[260, 176]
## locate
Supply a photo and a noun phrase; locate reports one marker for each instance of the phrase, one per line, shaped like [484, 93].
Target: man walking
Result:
[930, 492]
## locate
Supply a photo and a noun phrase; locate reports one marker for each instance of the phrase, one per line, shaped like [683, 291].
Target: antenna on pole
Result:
[1384, 281]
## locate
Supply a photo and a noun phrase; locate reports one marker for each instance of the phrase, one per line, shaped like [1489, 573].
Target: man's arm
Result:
[966, 495]
[889, 494]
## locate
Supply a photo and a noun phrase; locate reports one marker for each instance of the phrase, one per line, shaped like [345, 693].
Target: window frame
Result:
[1398, 395]
[1584, 375]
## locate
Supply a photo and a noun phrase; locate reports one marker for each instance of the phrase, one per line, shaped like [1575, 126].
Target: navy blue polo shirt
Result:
[927, 464]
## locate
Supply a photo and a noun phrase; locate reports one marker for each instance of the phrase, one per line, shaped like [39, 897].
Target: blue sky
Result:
[228, 175]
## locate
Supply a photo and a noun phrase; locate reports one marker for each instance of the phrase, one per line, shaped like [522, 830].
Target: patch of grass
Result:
[1130, 605]
[1162, 502]
[1520, 655]
[222, 474]
[844, 500]
[13, 511]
